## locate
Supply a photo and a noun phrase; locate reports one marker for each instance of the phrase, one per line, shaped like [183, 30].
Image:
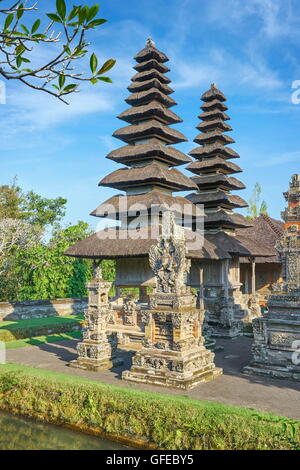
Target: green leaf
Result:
[25, 29]
[73, 13]
[106, 66]
[68, 50]
[27, 70]
[39, 36]
[54, 17]
[96, 23]
[82, 14]
[35, 26]
[69, 88]
[94, 80]
[19, 49]
[92, 12]
[93, 63]
[20, 11]
[61, 81]
[25, 60]
[61, 8]
[105, 79]
[8, 21]
[18, 61]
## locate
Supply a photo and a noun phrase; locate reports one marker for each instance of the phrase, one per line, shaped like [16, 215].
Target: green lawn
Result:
[37, 322]
[36, 328]
[21, 343]
[164, 421]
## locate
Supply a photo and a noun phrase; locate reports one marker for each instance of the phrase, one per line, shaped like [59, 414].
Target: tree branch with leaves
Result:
[59, 76]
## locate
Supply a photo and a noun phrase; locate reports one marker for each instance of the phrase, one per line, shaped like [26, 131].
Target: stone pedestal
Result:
[227, 325]
[97, 351]
[173, 353]
[276, 348]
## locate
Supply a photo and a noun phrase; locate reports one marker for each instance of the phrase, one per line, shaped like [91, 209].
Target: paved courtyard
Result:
[276, 396]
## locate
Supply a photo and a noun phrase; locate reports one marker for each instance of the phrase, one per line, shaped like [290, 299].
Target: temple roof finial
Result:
[150, 42]
[213, 85]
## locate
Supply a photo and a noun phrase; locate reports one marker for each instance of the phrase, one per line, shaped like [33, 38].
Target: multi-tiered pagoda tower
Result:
[276, 348]
[213, 167]
[149, 177]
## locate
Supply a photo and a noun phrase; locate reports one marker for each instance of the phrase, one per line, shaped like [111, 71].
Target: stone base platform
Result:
[172, 369]
[95, 365]
[272, 372]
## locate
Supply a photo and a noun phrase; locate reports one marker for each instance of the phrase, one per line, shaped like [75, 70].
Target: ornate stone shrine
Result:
[277, 333]
[173, 353]
[97, 351]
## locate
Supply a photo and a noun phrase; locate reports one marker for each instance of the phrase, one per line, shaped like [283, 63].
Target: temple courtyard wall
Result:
[41, 308]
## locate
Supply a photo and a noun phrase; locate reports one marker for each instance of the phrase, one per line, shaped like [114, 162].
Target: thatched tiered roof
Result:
[213, 166]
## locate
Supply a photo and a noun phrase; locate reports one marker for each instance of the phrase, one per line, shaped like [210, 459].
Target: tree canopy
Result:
[256, 206]
[31, 267]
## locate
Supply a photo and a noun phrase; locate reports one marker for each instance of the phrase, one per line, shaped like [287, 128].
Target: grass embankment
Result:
[135, 417]
[38, 329]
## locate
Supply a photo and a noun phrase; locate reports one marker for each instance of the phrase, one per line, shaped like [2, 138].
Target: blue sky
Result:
[249, 48]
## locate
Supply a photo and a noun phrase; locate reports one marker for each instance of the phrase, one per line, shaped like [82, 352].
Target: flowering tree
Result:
[15, 234]
[65, 31]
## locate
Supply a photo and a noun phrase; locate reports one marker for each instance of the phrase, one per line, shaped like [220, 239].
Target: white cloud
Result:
[282, 159]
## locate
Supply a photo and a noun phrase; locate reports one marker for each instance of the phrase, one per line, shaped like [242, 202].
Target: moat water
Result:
[18, 433]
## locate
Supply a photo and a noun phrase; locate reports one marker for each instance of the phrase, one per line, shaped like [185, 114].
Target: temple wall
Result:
[265, 275]
[139, 273]
[41, 308]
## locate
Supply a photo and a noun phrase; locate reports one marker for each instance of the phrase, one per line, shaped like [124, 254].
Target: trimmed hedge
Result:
[132, 416]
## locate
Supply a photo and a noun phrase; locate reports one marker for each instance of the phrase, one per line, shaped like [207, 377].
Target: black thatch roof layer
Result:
[213, 167]
[148, 74]
[215, 198]
[150, 52]
[154, 149]
[149, 129]
[136, 87]
[241, 245]
[213, 137]
[214, 163]
[217, 124]
[151, 64]
[121, 243]
[216, 149]
[217, 180]
[265, 230]
[154, 201]
[212, 114]
[152, 110]
[213, 105]
[144, 97]
[152, 174]
[213, 94]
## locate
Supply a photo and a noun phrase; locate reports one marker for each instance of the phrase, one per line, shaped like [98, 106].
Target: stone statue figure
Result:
[168, 261]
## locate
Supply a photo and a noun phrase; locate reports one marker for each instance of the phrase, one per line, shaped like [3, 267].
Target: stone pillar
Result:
[97, 351]
[253, 280]
[254, 310]
[143, 296]
[173, 353]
